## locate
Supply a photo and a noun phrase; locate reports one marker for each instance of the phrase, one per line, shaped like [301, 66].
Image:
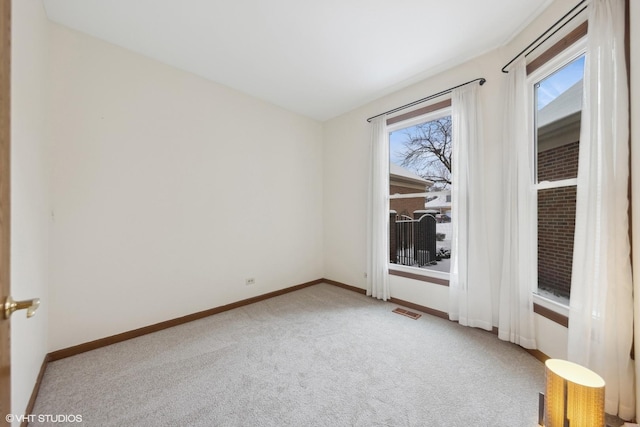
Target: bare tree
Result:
[427, 150]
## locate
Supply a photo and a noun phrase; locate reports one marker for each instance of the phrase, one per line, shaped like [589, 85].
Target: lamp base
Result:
[541, 412]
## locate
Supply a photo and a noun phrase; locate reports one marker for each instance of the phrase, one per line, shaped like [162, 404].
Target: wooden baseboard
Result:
[551, 315]
[408, 304]
[538, 355]
[535, 353]
[103, 342]
[422, 308]
[421, 277]
[36, 390]
[345, 286]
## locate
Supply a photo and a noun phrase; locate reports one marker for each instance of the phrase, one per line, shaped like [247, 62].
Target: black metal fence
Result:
[412, 241]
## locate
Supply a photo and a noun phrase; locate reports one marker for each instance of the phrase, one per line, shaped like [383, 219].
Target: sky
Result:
[560, 81]
[395, 144]
[549, 89]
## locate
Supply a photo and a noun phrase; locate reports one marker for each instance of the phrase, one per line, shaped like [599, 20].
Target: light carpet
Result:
[320, 356]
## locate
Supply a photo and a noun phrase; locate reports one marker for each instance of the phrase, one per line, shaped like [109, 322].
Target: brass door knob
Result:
[10, 305]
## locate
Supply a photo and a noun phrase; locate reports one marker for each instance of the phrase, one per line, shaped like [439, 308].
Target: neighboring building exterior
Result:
[403, 181]
[558, 144]
[440, 205]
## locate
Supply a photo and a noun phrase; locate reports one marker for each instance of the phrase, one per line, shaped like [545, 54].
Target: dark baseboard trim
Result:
[103, 342]
[415, 276]
[535, 353]
[421, 308]
[538, 355]
[407, 304]
[345, 286]
[36, 390]
[551, 315]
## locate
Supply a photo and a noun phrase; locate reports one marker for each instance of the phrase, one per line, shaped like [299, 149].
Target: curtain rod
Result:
[482, 81]
[547, 31]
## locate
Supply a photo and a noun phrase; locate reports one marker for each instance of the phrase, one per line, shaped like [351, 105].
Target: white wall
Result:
[169, 191]
[427, 294]
[346, 170]
[30, 195]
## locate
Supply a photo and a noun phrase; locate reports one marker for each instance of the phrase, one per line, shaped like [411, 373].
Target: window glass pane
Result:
[558, 112]
[420, 227]
[556, 228]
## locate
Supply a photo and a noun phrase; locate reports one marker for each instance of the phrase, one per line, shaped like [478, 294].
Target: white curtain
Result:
[469, 283]
[519, 270]
[601, 307]
[378, 212]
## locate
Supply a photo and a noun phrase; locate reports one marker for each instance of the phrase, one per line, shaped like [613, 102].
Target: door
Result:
[5, 137]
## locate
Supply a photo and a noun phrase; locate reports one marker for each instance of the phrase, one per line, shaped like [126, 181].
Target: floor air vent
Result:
[407, 313]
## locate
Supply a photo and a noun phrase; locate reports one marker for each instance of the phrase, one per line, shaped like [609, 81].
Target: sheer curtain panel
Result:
[378, 212]
[601, 308]
[519, 270]
[469, 284]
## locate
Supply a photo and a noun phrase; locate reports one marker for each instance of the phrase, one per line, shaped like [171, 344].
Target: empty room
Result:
[337, 213]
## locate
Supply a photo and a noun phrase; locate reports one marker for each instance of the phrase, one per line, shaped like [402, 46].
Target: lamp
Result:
[574, 396]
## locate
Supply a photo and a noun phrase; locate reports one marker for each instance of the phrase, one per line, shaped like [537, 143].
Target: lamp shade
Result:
[573, 393]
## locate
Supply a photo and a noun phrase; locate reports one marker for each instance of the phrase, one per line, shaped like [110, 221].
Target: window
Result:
[557, 89]
[420, 192]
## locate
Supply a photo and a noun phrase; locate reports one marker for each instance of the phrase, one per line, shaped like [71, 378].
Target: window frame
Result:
[422, 274]
[554, 64]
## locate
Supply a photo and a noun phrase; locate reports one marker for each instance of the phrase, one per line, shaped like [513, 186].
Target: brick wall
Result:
[405, 206]
[558, 163]
[556, 228]
[556, 219]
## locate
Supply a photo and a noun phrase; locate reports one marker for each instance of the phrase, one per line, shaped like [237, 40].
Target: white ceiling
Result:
[318, 58]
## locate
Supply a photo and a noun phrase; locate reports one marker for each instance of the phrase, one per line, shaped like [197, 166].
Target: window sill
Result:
[550, 309]
[430, 276]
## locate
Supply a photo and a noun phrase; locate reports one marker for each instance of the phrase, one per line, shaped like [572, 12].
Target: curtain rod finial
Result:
[482, 81]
